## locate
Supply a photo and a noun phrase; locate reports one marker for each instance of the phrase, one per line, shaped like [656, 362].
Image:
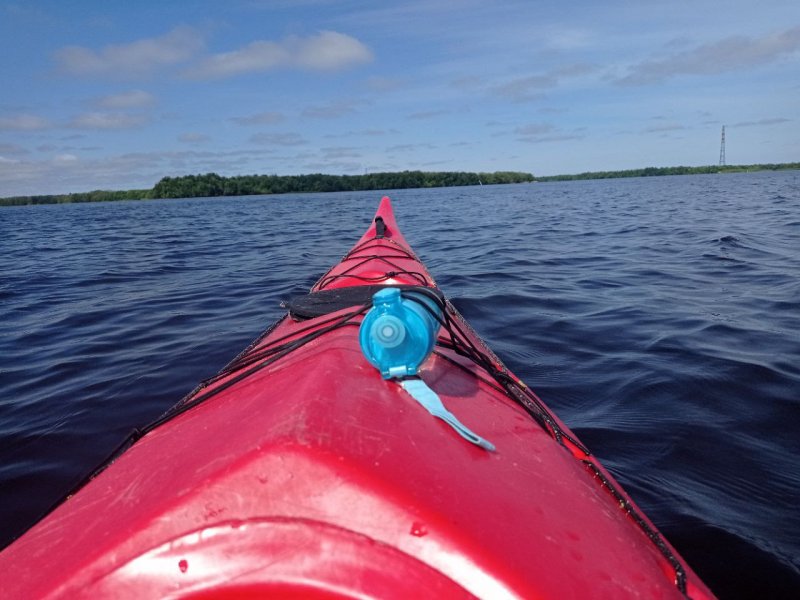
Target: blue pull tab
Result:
[420, 391]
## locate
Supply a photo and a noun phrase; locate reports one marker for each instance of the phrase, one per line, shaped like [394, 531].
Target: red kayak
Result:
[369, 444]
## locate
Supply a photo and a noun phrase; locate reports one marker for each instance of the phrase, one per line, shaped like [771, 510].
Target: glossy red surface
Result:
[314, 477]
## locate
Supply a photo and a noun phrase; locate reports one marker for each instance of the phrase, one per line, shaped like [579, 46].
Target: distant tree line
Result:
[211, 184]
[94, 196]
[656, 171]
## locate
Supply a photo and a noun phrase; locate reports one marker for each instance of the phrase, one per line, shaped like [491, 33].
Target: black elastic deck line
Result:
[395, 269]
[420, 277]
[353, 254]
[254, 358]
[194, 398]
[523, 396]
[365, 244]
[324, 302]
[461, 344]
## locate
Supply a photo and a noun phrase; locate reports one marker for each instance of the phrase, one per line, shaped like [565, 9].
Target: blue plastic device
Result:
[396, 336]
[398, 333]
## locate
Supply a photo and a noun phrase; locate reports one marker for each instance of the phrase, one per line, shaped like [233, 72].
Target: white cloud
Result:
[532, 87]
[24, 122]
[467, 83]
[69, 173]
[65, 159]
[108, 120]
[130, 99]
[534, 129]
[565, 137]
[12, 149]
[278, 139]
[136, 59]
[762, 122]
[730, 54]
[541, 133]
[329, 51]
[339, 152]
[526, 88]
[331, 110]
[384, 84]
[409, 148]
[429, 114]
[362, 132]
[569, 38]
[193, 138]
[264, 118]
[326, 51]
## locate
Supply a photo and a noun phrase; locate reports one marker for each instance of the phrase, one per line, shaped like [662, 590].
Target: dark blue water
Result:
[659, 317]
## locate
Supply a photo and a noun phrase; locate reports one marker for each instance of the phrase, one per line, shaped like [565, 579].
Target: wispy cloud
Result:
[326, 51]
[123, 100]
[467, 82]
[384, 84]
[9, 149]
[523, 89]
[108, 120]
[70, 172]
[428, 114]
[339, 152]
[665, 128]
[262, 118]
[561, 137]
[278, 139]
[730, 54]
[24, 122]
[409, 148]
[540, 133]
[762, 122]
[363, 132]
[568, 38]
[193, 138]
[533, 129]
[65, 159]
[136, 59]
[332, 110]
[532, 87]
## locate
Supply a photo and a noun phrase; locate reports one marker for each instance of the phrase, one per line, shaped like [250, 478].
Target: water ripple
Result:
[658, 317]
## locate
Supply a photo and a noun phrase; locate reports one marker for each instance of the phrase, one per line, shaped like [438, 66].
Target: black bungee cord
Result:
[255, 358]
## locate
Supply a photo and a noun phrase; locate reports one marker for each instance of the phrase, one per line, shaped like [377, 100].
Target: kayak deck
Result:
[299, 471]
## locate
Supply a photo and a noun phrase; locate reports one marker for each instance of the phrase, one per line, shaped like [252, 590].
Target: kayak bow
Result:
[307, 469]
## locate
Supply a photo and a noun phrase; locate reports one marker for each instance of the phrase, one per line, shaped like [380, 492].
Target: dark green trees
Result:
[211, 184]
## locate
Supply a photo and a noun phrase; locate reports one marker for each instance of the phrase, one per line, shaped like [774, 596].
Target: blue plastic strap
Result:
[420, 391]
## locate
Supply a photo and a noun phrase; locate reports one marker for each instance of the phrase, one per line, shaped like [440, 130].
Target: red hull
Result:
[304, 472]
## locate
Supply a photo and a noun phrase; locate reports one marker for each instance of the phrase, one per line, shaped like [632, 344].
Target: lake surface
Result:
[658, 317]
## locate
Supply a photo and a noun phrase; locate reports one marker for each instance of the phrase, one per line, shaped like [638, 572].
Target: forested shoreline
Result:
[213, 185]
[662, 171]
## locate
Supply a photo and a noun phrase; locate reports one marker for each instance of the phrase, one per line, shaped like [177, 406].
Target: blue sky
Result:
[116, 95]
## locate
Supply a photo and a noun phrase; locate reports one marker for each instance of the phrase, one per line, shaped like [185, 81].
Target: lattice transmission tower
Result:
[722, 148]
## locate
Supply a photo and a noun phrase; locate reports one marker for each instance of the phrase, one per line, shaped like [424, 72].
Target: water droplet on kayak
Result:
[418, 529]
[183, 565]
